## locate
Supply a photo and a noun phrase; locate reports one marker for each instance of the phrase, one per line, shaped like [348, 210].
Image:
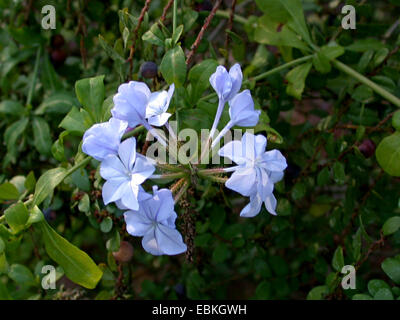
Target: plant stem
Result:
[78, 165]
[174, 14]
[280, 68]
[181, 192]
[226, 14]
[378, 89]
[2, 218]
[133, 132]
[35, 73]
[168, 176]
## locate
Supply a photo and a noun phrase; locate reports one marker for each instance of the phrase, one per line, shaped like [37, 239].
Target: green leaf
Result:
[318, 293]
[323, 177]
[106, 225]
[30, 181]
[321, 63]
[2, 246]
[332, 51]
[13, 132]
[114, 55]
[263, 290]
[360, 296]
[391, 266]
[363, 94]
[76, 122]
[177, 34]
[11, 107]
[391, 226]
[21, 275]
[90, 93]
[77, 265]
[338, 259]
[299, 191]
[339, 174]
[8, 191]
[46, 184]
[384, 294]
[17, 216]
[375, 285]
[297, 78]
[4, 295]
[57, 103]
[266, 33]
[388, 154]
[41, 136]
[396, 120]
[154, 36]
[295, 9]
[48, 76]
[173, 67]
[114, 242]
[199, 77]
[57, 149]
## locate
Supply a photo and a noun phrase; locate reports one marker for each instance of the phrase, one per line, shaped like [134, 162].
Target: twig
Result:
[194, 46]
[230, 25]
[165, 10]
[135, 34]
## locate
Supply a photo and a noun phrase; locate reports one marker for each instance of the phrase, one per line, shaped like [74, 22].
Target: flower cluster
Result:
[152, 216]
[125, 170]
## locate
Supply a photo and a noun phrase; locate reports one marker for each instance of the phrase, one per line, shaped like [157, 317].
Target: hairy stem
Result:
[35, 73]
[364, 80]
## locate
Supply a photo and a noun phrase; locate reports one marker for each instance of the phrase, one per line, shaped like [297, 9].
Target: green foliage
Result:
[322, 92]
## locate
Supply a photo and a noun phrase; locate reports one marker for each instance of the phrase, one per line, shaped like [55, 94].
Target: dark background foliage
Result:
[336, 205]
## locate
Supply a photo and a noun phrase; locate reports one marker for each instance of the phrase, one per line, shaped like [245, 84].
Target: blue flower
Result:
[130, 103]
[124, 173]
[155, 222]
[227, 85]
[241, 112]
[156, 110]
[256, 173]
[103, 139]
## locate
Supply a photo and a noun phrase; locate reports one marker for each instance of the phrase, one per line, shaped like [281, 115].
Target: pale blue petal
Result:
[169, 240]
[270, 204]
[240, 103]
[157, 104]
[243, 181]
[166, 209]
[103, 139]
[274, 160]
[236, 76]
[114, 190]
[253, 208]
[130, 102]
[276, 176]
[150, 244]
[233, 150]
[159, 120]
[112, 167]
[137, 224]
[129, 197]
[221, 82]
[127, 153]
[142, 170]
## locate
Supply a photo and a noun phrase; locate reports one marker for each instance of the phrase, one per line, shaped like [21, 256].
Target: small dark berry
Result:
[367, 148]
[148, 70]
[292, 172]
[58, 57]
[49, 215]
[206, 5]
[57, 41]
[125, 252]
[180, 291]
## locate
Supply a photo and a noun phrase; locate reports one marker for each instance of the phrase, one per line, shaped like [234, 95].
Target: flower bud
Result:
[148, 70]
[125, 252]
[367, 148]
